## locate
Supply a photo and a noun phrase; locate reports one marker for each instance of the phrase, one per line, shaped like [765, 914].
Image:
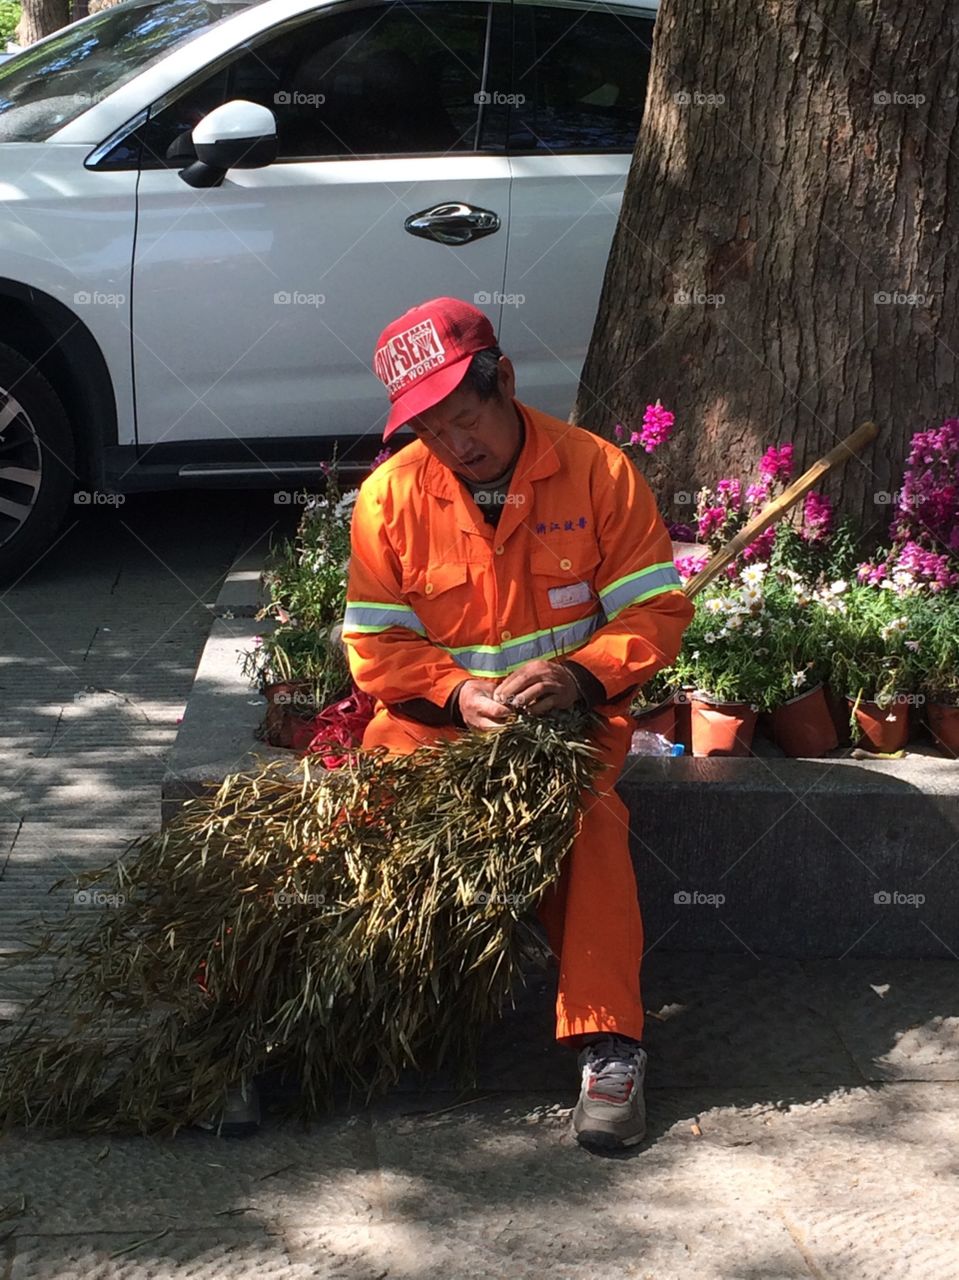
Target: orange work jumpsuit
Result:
[580, 564]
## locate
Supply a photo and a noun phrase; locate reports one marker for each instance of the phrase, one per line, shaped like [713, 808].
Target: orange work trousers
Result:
[591, 915]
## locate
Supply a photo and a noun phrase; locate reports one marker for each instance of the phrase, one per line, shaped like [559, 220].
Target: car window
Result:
[391, 80]
[51, 83]
[579, 79]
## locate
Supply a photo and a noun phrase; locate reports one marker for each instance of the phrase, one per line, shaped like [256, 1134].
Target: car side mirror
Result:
[236, 135]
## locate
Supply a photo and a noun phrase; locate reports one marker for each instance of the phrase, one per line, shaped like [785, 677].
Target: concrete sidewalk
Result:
[803, 1116]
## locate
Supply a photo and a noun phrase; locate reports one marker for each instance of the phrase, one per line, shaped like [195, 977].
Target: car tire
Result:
[37, 456]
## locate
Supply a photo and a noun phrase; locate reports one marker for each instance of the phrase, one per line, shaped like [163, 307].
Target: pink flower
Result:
[760, 548]
[381, 458]
[817, 517]
[687, 566]
[777, 463]
[619, 431]
[657, 426]
[635, 438]
[711, 521]
[757, 494]
[730, 491]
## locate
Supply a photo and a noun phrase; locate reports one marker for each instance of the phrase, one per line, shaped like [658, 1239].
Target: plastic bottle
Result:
[645, 743]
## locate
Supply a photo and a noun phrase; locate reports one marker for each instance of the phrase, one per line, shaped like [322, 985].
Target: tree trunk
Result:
[39, 18]
[784, 265]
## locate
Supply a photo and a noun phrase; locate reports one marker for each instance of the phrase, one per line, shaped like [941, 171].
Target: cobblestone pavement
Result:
[804, 1117]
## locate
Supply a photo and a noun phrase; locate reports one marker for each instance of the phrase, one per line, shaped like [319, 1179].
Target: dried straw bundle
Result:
[344, 928]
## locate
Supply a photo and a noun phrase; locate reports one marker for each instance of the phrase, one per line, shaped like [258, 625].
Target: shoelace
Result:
[613, 1069]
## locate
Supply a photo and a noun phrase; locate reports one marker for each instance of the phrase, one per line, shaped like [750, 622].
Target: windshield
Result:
[51, 83]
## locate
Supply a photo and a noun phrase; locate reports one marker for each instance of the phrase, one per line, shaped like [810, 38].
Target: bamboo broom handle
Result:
[776, 509]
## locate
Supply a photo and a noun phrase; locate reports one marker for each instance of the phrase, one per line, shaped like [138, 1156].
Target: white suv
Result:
[210, 208]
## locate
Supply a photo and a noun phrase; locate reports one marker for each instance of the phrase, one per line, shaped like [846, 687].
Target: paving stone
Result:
[736, 1020]
[899, 1020]
[203, 1255]
[93, 1184]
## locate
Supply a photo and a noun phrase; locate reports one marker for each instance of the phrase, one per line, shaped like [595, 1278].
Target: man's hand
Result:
[478, 707]
[539, 687]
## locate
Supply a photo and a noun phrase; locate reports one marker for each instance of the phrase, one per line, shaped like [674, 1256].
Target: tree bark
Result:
[39, 18]
[784, 264]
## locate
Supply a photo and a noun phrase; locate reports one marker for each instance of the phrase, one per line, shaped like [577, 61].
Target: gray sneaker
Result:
[611, 1111]
[238, 1117]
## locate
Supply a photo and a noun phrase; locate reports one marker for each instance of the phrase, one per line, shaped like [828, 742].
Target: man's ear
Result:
[506, 375]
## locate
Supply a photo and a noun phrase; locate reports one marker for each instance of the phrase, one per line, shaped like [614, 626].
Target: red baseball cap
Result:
[423, 356]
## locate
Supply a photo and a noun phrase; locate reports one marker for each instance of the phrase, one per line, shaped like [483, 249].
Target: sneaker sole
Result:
[599, 1140]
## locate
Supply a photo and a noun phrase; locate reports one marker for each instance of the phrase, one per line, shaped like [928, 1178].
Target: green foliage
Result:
[307, 580]
[874, 639]
[9, 18]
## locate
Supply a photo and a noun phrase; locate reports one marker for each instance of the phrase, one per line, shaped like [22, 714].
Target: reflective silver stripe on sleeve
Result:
[500, 660]
[369, 616]
[636, 587]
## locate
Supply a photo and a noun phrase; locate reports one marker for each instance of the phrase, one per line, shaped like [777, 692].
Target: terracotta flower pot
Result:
[944, 723]
[682, 702]
[839, 710]
[881, 728]
[722, 728]
[658, 719]
[803, 726]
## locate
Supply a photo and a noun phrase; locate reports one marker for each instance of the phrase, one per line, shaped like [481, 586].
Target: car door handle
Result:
[453, 223]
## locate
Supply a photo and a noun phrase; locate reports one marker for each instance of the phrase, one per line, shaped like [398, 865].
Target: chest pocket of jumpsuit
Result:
[439, 596]
[562, 576]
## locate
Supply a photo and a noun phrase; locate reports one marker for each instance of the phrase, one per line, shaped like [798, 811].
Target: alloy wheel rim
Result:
[21, 466]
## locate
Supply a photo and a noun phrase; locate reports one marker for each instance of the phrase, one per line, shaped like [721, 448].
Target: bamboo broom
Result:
[775, 510]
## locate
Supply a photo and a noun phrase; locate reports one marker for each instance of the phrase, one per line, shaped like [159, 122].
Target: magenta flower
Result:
[729, 491]
[619, 431]
[757, 494]
[760, 548]
[710, 521]
[686, 566]
[777, 463]
[817, 517]
[657, 426]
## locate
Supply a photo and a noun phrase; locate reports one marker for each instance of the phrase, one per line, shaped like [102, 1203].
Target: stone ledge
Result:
[797, 848]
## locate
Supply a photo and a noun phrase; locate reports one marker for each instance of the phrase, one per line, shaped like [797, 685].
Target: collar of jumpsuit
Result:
[537, 459]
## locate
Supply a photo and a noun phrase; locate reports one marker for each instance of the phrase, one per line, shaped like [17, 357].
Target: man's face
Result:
[475, 438]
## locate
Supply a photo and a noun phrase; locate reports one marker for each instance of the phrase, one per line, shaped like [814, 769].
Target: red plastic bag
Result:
[336, 730]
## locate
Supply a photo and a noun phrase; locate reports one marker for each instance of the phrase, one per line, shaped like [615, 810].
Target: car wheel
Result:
[36, 464]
